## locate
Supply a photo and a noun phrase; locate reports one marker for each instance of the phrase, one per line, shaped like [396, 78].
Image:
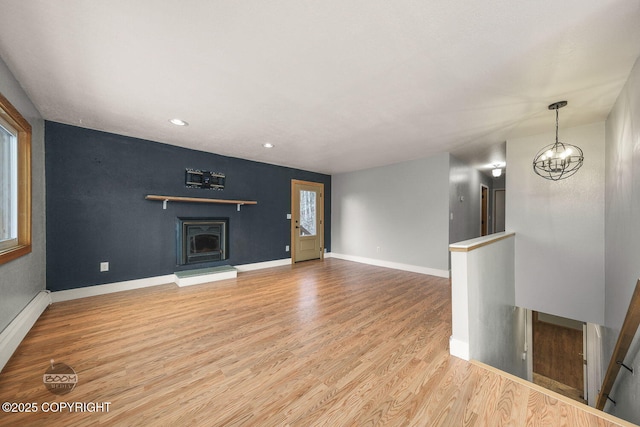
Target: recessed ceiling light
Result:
[268, 145]
[179, 122]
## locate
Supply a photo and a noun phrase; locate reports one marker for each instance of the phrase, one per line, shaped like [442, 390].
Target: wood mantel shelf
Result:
[165, 199]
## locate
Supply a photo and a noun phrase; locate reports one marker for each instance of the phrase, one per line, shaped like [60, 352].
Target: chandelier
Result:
[558, 160]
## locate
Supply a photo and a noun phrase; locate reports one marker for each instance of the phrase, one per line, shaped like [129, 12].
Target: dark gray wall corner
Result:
[96, 210]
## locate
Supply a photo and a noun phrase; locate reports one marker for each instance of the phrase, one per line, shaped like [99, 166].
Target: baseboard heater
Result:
[14, 333]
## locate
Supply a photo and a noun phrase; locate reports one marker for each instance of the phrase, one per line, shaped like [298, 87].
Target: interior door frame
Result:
[484, 189]
[320, 210]
[593, 353]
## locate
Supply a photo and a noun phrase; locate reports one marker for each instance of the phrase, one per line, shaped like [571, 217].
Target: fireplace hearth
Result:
[202, 240]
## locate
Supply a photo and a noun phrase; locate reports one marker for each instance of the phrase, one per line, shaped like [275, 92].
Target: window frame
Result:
[23, 246]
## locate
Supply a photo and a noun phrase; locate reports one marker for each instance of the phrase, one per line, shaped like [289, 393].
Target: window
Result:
[8, 185]
[15, 183]
[307, 213]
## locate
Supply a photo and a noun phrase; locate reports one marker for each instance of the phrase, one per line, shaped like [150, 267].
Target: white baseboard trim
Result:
[109, 288]
[394, 265]
[261, 265]
[14, 333]
[90, 291]
[459, 349]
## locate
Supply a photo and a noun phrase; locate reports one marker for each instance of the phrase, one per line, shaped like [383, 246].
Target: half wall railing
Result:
[628, 331]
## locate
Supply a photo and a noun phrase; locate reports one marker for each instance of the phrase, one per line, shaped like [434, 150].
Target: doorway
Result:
[558, 355]
[484, 210]
[307, 220]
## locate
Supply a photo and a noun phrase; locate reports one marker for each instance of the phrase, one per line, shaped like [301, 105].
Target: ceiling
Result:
[335, 85]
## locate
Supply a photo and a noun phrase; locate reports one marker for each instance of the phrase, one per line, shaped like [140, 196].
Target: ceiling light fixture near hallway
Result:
[179, 122]
[558, 160]
[496, 172]
[268, 145]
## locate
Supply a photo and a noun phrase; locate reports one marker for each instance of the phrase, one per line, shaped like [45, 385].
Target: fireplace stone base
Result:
[205, 275]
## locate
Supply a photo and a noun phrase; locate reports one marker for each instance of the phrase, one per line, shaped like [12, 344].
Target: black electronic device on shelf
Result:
[195, 178]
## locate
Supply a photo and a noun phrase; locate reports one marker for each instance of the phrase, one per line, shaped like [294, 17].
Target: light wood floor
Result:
[558, 387]
[329, 343]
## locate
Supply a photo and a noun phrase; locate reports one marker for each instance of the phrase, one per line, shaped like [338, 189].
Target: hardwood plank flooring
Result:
[558, 387]
[330, 343]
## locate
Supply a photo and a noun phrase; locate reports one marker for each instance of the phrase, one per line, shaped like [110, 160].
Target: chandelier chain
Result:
[556, 125]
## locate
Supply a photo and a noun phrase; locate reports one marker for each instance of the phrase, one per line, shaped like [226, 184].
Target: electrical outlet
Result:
[104, 266]
[288, 216]
[286, 248]
[378, 249]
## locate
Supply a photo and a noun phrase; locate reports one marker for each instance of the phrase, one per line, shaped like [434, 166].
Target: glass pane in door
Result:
[307, 213]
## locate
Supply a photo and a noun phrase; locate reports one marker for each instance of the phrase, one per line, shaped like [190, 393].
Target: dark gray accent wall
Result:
[97, 212]
[22, 278]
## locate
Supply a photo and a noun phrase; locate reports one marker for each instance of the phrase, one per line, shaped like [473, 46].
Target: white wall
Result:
[622, 265]
[22, 278]
[465, 182]
[486, 325]
[559, 227]
[402, 209]
[497, 332]
[623, 200]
